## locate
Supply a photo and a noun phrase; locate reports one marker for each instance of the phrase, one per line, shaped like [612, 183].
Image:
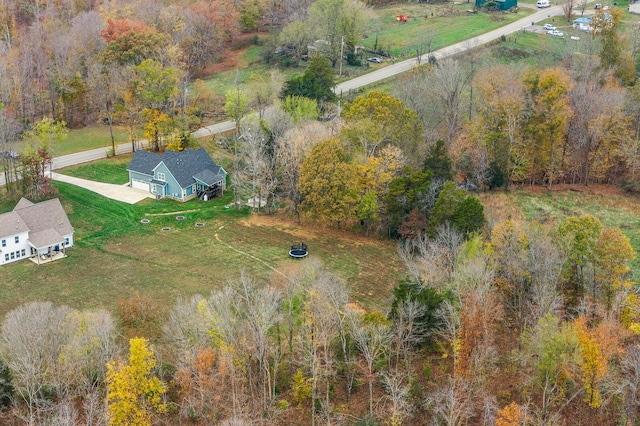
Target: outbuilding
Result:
[499, 4]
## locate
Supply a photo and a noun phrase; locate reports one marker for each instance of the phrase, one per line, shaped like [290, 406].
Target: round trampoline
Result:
[298, 251]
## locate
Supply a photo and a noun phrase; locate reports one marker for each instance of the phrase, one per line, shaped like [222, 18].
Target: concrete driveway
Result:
[122, 193]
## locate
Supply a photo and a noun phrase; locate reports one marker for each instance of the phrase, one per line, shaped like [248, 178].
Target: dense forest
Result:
[505, 322]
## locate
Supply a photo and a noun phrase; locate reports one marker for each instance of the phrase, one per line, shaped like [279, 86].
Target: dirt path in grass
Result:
[249, 255]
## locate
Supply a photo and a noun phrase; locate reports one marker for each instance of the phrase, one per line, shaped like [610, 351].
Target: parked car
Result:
[556, 33]
[9, 154]
[606, 8]
[549, 27]
[375, 60]
[597, 6]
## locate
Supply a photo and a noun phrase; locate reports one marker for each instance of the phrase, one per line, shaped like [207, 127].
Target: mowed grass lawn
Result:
[115, 255]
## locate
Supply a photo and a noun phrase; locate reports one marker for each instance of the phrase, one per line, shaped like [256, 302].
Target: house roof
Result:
[185, 166]
[144, 162]
[23, 203]
[44, 238]
[11, 224]
[46, 221]
[208, 177]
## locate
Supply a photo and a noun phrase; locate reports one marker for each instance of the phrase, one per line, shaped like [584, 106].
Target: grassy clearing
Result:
[446, 25]
[116, 255]
[90, 138]
[111, 170]
[613, 208]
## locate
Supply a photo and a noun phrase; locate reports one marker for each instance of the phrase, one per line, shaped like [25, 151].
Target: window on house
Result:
[17, 255]
[23, 253]
[161, 176]
[17, 239]
[13, 255]
[4, 243]
[66, 241]
[6, 257]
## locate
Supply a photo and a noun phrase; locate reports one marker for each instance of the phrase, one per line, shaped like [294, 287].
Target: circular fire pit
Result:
[145, 221]
[166, 229]
[298, 251]
[199, 224]
[179, 217]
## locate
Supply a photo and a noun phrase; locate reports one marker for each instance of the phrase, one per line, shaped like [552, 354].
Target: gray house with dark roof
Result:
[178, 175]
[41, 232]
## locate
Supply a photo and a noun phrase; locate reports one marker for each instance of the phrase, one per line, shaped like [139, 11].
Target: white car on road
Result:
[549, 27]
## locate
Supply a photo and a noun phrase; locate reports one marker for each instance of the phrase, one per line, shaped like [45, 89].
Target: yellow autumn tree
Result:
[593, 362]
[509, 415]
[328, 185]
[547, 92]
[613, 254]
[133, 391]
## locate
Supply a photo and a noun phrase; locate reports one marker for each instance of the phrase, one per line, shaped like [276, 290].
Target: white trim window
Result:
[161, 176]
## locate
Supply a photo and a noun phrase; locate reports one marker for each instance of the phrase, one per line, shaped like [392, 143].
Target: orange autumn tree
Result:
[510, 415]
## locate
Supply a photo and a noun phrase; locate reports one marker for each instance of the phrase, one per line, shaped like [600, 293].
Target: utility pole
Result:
[341, 53]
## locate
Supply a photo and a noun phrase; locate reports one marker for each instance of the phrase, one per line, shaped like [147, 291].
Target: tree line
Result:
[527, 325]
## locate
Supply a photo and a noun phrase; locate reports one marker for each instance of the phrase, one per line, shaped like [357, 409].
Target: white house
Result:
[41, 232]
[583, 24]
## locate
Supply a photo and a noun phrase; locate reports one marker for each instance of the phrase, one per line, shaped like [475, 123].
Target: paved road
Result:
[372, 77]
[406, 65]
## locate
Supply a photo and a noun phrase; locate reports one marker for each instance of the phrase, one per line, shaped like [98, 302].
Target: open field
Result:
[116, 256]
[612, 206]
[444, 24]
[89, 138]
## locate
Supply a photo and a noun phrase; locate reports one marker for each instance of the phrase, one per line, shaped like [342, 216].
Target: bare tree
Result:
[254, 174]
[629, 389]
[432, 261]
[451, 80]
[259, 306]
[567, 8]
[372, 337]
[185, 331]
[291, 150]
[30, 342]
[335, 292]
[399, 394]
[407, 331]
[545, 263]
[9, 136]
[451, 404]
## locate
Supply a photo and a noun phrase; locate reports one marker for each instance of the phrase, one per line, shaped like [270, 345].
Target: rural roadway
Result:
[345, 87]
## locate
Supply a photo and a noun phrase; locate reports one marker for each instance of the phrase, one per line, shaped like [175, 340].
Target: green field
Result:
[112, 170]
[611, 206]
[115, 255]
[89, 138]
[445, 25]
